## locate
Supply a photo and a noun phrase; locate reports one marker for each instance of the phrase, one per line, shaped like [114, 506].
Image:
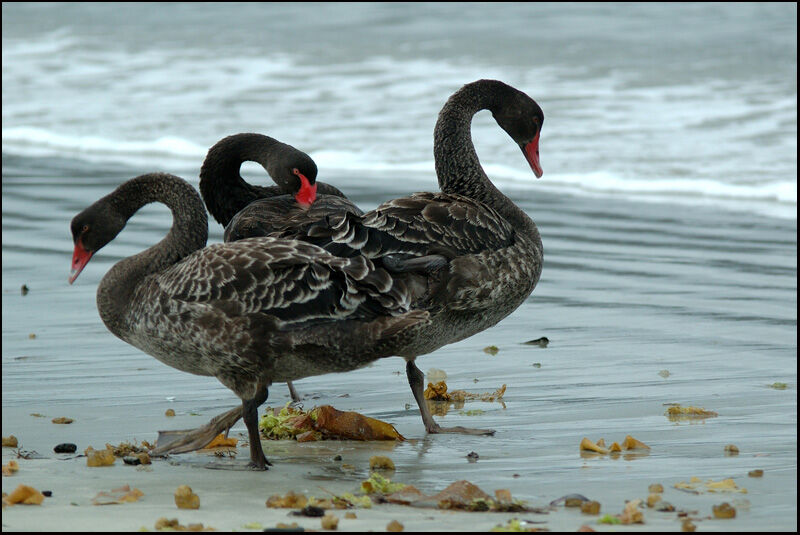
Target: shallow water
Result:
[694, 277]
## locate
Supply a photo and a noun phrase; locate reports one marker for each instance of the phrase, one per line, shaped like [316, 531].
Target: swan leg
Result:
[258, 461]
[194, 439]
[293, 392]
[416, 380]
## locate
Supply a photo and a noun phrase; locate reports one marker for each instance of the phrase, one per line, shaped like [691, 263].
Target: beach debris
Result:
[380, 462]
[377, 484]
[755, 473]
[609, 519]
[541, 342]
[590, 508]
[472, 457]
[588, 445]
[32, 336]
[731, 450]
[324, 423]
[10, 442]
[312, 511]
[62, 420]
[656, 488]
[502, 495]
[687, 525]
[696, 485]
[116, 496]
[438, 392]
[631, 514]
[38, 415]
[629, 443]
[65, 447]
[585, 528]
[329, 521]
[664, 507]
[10, 468]
[350, 515]
[165, 524]
[95, 458]
[25, 495]
[131, 460]
[24, 289]
[677, 413]
[220, 441]
[634, 444]
[570, 500]
[664, 373]
[394, 525]
[779, 386]
[169, 413]
[492, 350]
[724, 510]
[186, 499]
[290, 500]
[653, 499]
[537, 364]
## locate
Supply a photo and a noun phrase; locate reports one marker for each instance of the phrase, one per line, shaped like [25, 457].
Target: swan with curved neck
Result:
[247, 210]
[248, 312]
[472, 255]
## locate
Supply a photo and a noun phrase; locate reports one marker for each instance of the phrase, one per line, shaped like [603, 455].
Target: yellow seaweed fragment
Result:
[678, 413]
[588, 445]
[24, 495]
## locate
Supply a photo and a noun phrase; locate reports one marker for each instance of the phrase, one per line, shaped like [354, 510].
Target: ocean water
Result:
[668, 212]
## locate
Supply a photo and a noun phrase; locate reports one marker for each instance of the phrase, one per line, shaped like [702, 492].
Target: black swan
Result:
[247, 211]
[469, 253]
[248, 312]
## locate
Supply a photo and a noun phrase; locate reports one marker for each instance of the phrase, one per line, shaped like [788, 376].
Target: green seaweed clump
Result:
[379, 484]
[609, 519]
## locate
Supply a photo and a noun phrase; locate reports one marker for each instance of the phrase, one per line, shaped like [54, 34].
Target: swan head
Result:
[521, 117]
[92, 229]
[295, 173]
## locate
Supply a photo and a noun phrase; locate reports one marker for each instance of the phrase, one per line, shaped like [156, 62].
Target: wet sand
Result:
[235, 500]
[629, 292]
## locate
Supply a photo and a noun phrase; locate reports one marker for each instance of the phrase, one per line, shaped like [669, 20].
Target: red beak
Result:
[308, 192]
[80, 258]
[531, 151]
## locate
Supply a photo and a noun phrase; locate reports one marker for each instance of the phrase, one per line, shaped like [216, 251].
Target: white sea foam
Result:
[729, 141]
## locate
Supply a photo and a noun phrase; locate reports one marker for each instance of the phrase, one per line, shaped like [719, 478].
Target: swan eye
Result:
[85, 228]
[296, 171]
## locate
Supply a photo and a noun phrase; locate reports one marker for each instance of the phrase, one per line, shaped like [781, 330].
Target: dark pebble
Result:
[570, 500]
[24, 289]
[65, 448]
[47, 493]
[337, 458]
[132, 460]
[541, 342]
[472, 456]
[310, 510]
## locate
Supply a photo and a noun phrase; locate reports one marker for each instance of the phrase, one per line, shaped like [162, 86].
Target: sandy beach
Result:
[667, 212]
[233, 500]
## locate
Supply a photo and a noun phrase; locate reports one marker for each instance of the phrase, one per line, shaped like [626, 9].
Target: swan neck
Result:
[224, 190]
[457, 165]
[189, 232]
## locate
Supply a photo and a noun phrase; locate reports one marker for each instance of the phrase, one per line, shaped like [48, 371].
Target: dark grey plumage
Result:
[468, 254]
[249, 312]
[247, 210]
